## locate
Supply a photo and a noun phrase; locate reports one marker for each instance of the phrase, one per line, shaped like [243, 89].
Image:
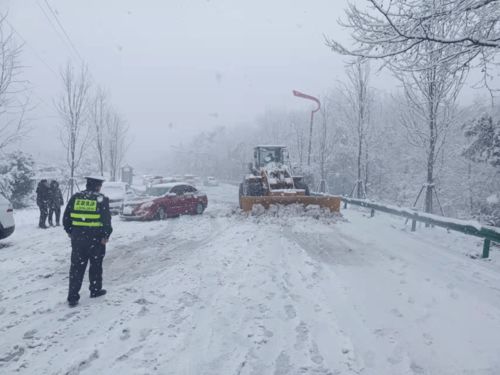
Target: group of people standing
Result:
[49, 200]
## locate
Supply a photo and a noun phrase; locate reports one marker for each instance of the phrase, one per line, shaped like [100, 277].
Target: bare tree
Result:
[298, 136]
[325, 148]
[73, 107]
[430, 97]
[12, 109]
[99, 114]
[398, 30]
[116, 143]
[357, 111]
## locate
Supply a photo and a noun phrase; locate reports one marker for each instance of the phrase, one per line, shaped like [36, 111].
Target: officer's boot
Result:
[98, 293]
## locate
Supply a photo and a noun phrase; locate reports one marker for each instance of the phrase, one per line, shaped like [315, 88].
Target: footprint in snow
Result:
[396, 313]
[316, 356]
[416, 368]
[302, 335]
[144, 334]
[428, 339]
[125, 334]
[30, 334]
[143, 311]
[386, 333]
[290, 312]
[14, 355]
[142, 301]
[282, 366]
[68, 316]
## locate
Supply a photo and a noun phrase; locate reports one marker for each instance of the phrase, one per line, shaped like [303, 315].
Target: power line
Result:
[63, 30]
[47, 17]
[38, 56]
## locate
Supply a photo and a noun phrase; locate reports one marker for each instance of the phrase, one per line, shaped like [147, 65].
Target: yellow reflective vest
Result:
[88, 211]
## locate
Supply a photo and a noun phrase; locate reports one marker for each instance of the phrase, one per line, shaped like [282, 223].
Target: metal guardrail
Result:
[488, 233]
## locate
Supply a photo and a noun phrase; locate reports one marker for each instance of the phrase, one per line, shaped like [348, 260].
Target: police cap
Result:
[98, 180]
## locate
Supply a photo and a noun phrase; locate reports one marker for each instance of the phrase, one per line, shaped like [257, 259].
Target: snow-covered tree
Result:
[324, 140]
[12, 106]
[359, 100]
[16, 177]
[73, 107]
[116, 143]
[428, 114]
[98, 113]
[398, 30]
[483, 135]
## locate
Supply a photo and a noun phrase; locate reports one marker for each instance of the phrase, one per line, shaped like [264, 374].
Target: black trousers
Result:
[43, 214]
[85, 250]
[55, 210]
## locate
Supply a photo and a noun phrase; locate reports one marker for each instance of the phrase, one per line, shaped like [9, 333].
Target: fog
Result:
[175, 68]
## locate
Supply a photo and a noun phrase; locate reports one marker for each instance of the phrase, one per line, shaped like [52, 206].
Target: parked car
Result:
[116, 192]
[190, 179]
[210, 181]
[165, 200]
[7, 224]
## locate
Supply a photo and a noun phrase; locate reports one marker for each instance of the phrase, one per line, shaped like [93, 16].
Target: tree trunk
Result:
[469, 180]
[360, 155]
[430, 169]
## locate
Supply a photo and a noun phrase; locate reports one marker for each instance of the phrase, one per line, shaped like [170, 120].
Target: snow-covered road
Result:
[224, 293]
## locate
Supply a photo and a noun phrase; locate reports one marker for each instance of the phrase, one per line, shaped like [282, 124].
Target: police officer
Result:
[87, 221]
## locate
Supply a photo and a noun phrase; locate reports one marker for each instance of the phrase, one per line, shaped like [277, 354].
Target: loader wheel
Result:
[254, 189]
[303, 185]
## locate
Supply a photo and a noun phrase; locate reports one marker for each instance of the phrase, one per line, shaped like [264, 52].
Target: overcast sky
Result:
[177, 67]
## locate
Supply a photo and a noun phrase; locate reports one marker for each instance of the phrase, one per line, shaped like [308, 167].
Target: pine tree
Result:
[484, 137]
[16, 177]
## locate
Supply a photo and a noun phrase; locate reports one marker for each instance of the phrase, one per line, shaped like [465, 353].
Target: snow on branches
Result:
[484, 137]
[16, 175]
[397, 31]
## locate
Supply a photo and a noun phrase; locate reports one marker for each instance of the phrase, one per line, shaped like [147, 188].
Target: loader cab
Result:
[264, 155]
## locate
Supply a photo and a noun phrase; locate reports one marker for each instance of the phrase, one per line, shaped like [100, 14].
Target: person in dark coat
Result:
[87, 220]
[42, 201]
[55, 202]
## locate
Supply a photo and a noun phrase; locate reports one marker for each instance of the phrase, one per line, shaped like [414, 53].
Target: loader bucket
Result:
[330, 202]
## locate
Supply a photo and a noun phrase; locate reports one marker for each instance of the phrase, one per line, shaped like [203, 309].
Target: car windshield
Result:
[270, 155]
[158, 191]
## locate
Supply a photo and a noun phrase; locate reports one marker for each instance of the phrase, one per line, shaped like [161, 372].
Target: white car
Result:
[7, 224]
[211, 181]
[116, 192]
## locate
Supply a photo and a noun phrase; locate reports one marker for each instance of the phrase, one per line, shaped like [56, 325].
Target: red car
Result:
[165, 200]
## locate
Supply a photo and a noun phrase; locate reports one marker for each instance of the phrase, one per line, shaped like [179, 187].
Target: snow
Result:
[279, 292]
[436, 218]
[493, 199]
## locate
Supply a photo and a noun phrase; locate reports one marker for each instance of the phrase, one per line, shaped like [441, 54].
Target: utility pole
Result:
[316, 100]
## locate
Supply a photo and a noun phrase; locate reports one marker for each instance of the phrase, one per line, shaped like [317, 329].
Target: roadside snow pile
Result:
[286, 215]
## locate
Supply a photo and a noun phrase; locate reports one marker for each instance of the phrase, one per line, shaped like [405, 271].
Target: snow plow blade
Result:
[329, 202]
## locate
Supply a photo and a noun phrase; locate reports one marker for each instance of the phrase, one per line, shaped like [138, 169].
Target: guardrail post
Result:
[486, 248]
[372, 213]
[413, 225]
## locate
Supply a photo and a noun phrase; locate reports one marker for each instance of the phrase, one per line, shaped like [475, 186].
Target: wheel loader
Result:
[271, 182]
